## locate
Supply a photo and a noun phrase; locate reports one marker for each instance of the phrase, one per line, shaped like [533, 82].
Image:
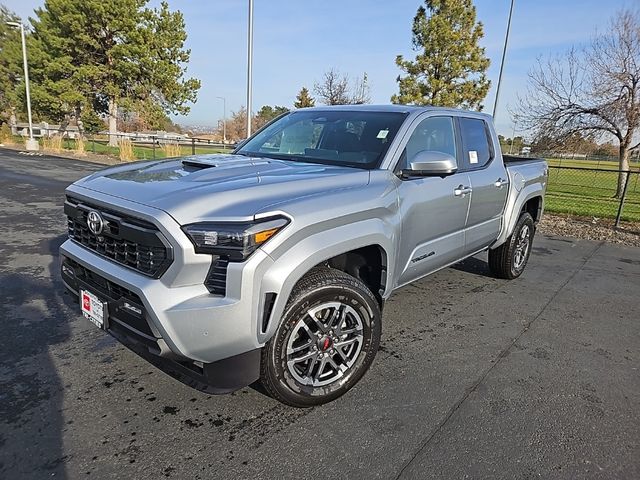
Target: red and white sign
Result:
[92, 308]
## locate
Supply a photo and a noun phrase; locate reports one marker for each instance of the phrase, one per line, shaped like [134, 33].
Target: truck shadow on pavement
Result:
[475, 266]
[33, 318]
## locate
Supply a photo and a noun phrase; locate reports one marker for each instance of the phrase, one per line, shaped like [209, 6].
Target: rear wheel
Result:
[510, 258]
[326, 341]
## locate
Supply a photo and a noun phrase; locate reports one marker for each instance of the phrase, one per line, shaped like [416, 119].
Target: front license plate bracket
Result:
[94, 309]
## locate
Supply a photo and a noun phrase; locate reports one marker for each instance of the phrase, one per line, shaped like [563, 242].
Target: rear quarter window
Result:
[477, 151]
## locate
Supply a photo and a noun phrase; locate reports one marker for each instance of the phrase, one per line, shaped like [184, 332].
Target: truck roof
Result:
[395, 108]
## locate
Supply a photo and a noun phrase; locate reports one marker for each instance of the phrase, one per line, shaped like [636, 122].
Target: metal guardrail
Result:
[193, 145]
[144, 145]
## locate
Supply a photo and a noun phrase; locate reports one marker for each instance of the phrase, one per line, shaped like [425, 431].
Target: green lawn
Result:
[591, 193]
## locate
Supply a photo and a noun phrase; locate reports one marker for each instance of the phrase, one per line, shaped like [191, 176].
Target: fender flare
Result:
[287, 270]
[514, 209]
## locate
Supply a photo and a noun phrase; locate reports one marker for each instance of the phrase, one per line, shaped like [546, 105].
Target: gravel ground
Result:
[590, 229]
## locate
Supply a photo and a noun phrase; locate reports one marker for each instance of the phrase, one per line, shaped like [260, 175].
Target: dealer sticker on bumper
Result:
[92, 308]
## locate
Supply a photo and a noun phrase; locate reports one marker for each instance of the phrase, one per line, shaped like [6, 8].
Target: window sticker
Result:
[382, 134]
[473, 156]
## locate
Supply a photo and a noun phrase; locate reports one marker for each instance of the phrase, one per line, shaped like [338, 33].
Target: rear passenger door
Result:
[489, 183]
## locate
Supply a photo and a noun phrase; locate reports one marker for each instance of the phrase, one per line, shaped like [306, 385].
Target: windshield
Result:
[341, 137]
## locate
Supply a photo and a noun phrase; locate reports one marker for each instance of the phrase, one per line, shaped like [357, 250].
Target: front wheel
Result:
[326, 341]
[510, 258]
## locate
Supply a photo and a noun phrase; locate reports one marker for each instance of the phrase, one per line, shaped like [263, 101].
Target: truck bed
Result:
[517, 159]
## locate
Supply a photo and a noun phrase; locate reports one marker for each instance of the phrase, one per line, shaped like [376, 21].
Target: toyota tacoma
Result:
[273, 263]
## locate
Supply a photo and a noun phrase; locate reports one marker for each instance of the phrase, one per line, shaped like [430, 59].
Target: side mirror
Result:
[431, 163]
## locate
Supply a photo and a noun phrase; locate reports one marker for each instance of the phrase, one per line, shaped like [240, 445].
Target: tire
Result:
[323, 299]
[509, 259]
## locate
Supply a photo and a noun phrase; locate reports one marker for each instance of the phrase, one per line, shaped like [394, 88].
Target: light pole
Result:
[30, 144]
[224, 119]
[249, 66]
[504, 55]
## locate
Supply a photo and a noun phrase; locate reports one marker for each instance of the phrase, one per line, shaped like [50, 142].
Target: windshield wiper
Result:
[255, 155]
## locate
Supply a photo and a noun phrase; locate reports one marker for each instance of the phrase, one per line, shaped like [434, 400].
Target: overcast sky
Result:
[296, 41]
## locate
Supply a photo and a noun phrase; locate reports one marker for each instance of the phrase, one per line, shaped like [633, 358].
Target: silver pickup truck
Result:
[273, 263]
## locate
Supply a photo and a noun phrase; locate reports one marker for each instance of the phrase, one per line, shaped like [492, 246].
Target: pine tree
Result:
[11, 82]
[268, 113]
[304, 99]
[109, 56]
[450, 67]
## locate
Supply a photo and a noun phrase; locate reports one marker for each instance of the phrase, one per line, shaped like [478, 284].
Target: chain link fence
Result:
[592, 192]
[587, 160]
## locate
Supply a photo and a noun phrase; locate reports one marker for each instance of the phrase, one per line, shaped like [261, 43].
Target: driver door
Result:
[433, 209]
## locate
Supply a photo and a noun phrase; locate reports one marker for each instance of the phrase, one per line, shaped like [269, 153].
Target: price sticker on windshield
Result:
[382, 134]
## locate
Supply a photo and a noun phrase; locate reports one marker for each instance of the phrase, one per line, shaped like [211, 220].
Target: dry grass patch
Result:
[171, 149]
[126, 150]
[5, 135]
[80, 147]
[52, 144]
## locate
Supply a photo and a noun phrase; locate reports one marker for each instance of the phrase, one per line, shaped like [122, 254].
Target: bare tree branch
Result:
[593, 91]
[334, 89]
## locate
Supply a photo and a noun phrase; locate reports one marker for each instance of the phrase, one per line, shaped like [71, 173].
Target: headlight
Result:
[234, 240]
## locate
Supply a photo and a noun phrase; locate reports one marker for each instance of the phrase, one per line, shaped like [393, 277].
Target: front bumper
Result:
[182, 321]
[181, 326]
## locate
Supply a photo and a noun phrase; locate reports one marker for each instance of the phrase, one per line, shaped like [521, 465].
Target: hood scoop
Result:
[204, 162]
[191, 162]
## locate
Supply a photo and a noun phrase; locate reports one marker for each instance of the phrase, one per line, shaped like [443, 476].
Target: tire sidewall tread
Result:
[319, 282]
[501, 258]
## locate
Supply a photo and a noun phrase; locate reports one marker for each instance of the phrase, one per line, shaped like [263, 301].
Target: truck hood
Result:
[208, 187]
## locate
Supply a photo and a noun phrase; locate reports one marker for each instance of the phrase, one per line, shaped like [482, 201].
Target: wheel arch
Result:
[368, 264]
[529, 200]
[533, 206]
[367, 257]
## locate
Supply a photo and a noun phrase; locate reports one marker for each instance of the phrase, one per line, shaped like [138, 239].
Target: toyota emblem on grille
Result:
[95, 222]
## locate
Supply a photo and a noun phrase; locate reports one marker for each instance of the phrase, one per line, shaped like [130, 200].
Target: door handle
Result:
[461, 191]
[501, 183]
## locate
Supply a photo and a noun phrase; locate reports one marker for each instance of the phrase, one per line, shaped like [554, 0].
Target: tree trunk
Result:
[113, 116]
[623, 165]
[13, 122]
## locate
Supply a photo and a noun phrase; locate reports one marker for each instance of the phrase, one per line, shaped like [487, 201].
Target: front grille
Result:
[101, 285]
[129, 241]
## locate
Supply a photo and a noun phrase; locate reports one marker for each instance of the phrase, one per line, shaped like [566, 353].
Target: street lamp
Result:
[224, 119]
[504, 54]
[249, 65]
[30, 144]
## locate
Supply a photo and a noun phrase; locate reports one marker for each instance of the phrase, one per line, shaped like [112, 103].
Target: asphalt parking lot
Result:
[476, 377]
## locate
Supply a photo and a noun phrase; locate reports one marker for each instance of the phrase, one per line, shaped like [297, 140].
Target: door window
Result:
[433, 133]
[476, 147]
